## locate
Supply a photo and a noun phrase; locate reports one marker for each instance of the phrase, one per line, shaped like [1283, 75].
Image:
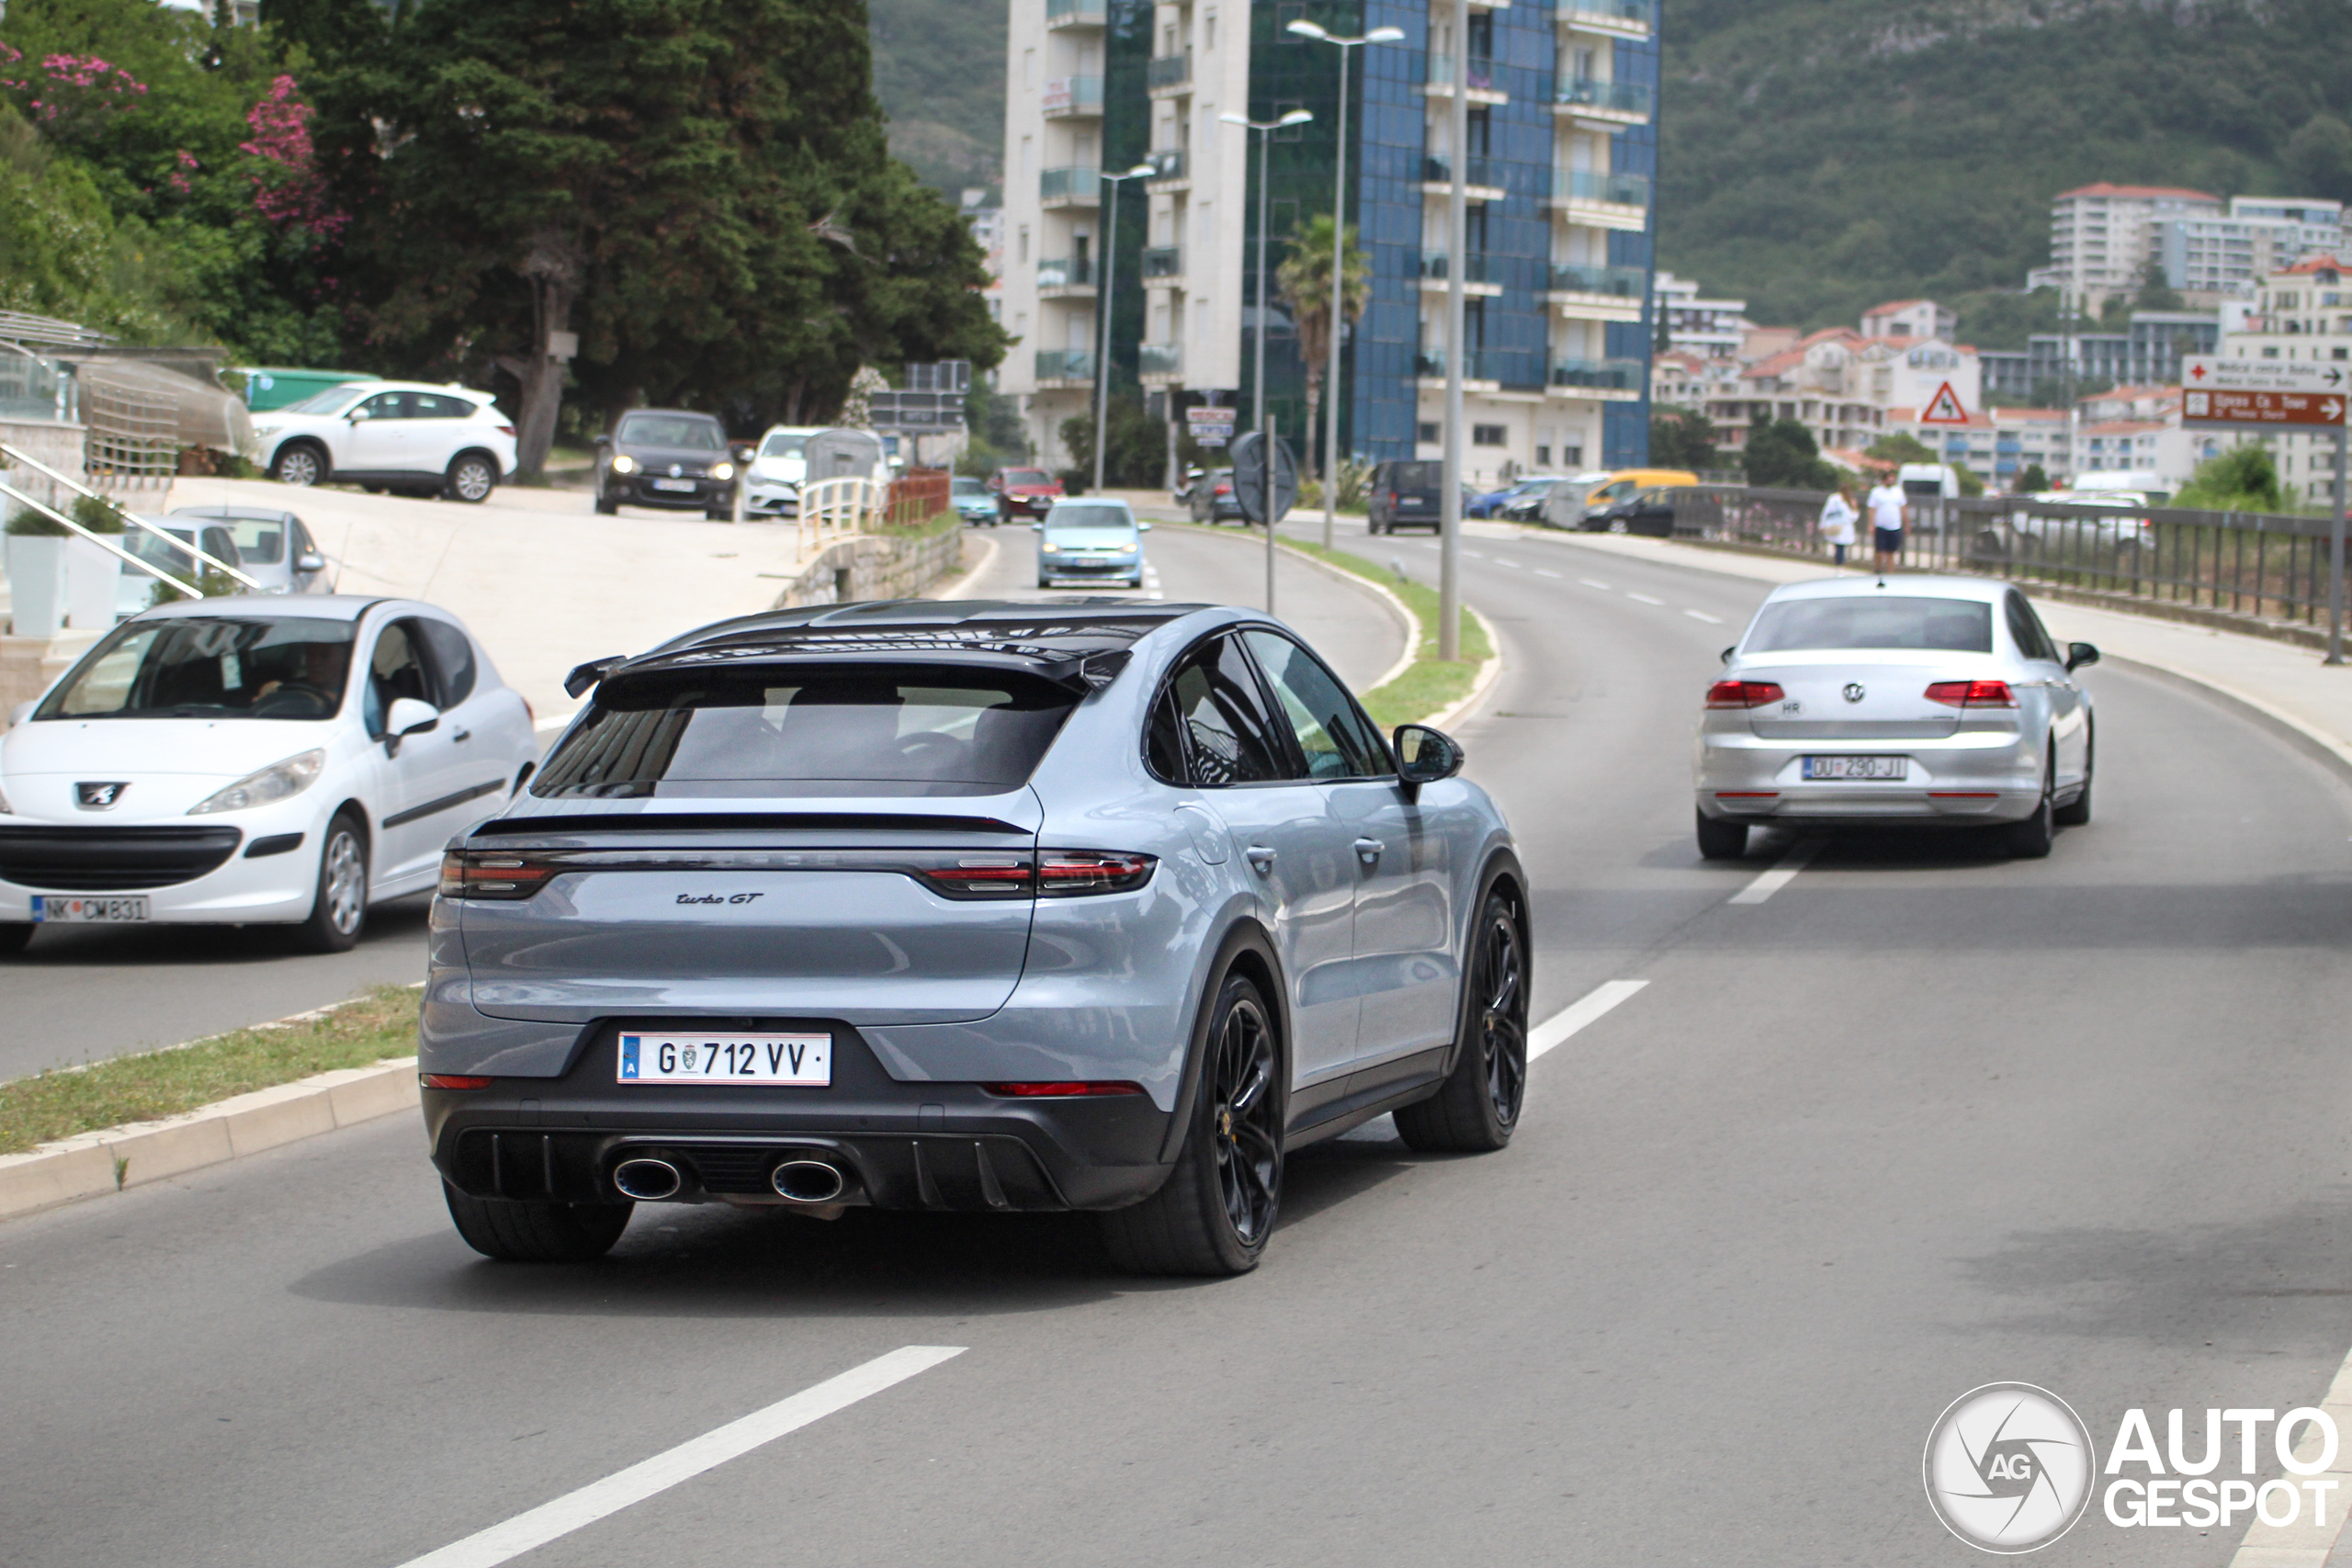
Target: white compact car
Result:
[402, 435]
[252, 762]
[772, 487]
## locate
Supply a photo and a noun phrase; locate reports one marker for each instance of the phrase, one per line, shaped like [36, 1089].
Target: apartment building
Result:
[1560, 154]
[1712, 329]
[2102, 238]
[2302, 312]
[2148, 350]
[2209, 260]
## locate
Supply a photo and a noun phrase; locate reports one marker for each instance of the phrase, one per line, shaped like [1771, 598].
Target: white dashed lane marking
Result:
[1702, 615]
[1577, 1015]
[1540, 572]
[1780, 875]
[1591, 582]
[1644, 599]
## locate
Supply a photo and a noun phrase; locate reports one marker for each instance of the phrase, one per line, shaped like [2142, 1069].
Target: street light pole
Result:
[1102, 339]
[1337, 310]
[1457, 224]
[1265, 130]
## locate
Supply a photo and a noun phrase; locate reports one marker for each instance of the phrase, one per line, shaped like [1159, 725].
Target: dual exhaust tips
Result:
[650, 1179]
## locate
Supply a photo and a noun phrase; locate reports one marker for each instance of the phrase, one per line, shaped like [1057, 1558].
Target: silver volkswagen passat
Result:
[981, 906]
[1930, 701]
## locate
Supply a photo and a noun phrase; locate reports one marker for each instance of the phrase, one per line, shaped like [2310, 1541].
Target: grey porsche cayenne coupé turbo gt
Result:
[984, 907]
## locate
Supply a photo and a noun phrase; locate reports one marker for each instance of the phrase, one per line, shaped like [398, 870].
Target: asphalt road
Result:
[1924, 1119]
[86, 992]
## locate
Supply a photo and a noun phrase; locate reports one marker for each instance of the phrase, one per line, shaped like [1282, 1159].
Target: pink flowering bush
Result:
[293, 191]
[69, 96]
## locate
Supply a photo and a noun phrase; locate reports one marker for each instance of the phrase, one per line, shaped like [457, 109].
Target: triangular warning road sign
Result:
[1944, 408]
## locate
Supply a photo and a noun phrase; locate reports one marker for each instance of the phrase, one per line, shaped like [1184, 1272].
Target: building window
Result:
[1426, 433]
[1490, 435]
[1029, 72]
[1543, 454]
[1572, 457]
[1022, 253]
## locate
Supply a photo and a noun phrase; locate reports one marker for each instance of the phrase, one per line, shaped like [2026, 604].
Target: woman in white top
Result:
[1838, 515]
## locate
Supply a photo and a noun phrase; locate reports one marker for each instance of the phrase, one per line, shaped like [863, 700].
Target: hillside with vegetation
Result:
[1820, 155]
[939, 71]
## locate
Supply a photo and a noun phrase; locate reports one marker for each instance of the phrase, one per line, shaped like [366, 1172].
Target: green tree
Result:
[2154, 292]
[2032, 480]
[1138, 446]
[2244, 479]
[1784, 456]
[1303, 282]
[699, 190]
[2319, 156]
[1683, 439]
[1900, 447]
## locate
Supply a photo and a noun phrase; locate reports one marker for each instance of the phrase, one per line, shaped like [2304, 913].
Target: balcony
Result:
[1164, 261]
[1168, 166]
[1168, 72]
[1061, 277]
[1479, 274]
[1158, 359]
[1483, 175]
[1609, 380]
[1065, 368]
[1598, 293]
[1483, 90]
[1612, 103]
[1073, 98]
[1480, 364]
[1077, 13]
[1619, 19]
[1071, 188]
[1603, 201]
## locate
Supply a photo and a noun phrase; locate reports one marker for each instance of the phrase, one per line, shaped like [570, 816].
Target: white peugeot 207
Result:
[251, 762]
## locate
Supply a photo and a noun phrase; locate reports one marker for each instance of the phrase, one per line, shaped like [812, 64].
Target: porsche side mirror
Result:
[1424, 756]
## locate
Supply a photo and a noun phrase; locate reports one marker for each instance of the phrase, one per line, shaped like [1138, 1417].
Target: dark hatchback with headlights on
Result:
[668, 458]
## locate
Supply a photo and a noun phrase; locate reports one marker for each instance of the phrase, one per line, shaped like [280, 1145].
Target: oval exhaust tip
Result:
[649, 1181]
[807, 1181]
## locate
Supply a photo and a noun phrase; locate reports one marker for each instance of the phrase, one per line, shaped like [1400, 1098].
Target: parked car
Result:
[777, 468]
[1214, 500]
[1023, 492]
[135, 589]
[1406, 493]
[1649, 513]
[972, 501]
[948, 907]
[1944, 705]
[666, 457]
[273, 548]
[254, 762]
[1090, 539]
[1528, 505]
[1618, 486]
[391, 435]
[1495, 502]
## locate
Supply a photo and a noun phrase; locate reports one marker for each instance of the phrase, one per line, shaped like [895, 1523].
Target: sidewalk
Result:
[2287, 685]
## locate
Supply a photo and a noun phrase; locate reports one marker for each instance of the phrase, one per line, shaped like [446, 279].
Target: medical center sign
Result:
[2262, 394]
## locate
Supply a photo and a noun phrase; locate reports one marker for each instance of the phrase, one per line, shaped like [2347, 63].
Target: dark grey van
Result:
[1407, 494]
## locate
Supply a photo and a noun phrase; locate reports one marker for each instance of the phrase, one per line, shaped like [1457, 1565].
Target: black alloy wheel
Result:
[1213, 1214]
[535, 1231]
[1477, 1108]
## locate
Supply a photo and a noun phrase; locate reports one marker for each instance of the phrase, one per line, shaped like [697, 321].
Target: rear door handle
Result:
[463, 735]
[1369, 848]
[1260, 856]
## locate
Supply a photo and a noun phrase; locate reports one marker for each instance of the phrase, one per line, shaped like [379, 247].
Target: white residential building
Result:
[1713, 329]
[2102, 238]
[2302, 313]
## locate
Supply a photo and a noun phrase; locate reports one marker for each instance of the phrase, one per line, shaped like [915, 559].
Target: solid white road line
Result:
[1540, 572]
[1578, 1014]
[1780, 875]
[1589, 582]
[1642, 598]
[1702, 615]
[523, 1532]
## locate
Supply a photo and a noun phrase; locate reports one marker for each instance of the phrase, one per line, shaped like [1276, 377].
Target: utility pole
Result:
[1102, 339]
[1265, 130]
[1457, 265]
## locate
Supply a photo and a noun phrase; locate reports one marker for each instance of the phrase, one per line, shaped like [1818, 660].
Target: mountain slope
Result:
[939, 71]
[1820, 155]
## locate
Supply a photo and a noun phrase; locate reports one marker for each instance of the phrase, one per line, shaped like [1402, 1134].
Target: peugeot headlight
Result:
[278, 782]
[1049, 548]
[722, 470]
[623, 463]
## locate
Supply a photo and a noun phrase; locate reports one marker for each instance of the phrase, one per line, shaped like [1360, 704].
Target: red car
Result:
[1023, 492]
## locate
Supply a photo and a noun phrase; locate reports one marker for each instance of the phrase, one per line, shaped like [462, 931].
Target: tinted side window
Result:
[1228, 739]
[430, 405]
[394, 670]
[453, 660]
[1335, 738]
[386, 405]
[2025, 629]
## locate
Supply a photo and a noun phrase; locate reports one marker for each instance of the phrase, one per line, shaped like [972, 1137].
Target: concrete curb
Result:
[115, 1159]
[1488, 672]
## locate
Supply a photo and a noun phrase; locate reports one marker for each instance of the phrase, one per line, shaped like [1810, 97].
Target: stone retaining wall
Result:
[871, 566]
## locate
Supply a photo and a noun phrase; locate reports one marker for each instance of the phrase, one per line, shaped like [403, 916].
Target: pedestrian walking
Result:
[1890, 509]
[1838, 515]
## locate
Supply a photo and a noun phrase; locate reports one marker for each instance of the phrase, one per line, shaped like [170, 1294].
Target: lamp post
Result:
[1338, 260]
[1102, 340]
[1457, 224]
[1265, 130]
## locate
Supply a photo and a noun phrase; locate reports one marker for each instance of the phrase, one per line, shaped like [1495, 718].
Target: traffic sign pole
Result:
[2336, 558]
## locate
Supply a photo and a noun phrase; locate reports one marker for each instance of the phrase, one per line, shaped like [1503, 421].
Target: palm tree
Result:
[1303, 282]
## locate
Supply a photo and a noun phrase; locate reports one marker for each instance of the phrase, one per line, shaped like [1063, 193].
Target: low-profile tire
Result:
[1720, 839]
[2076, 813]
[524, 1230]
[2031, 839]
[472, 478]
[1213, 1214]
[606, 506]
[339, 907]
[13, 937]
[300, 463]
[1475, 1108]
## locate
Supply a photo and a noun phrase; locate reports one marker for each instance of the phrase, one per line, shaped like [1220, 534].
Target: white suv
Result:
[399, 435]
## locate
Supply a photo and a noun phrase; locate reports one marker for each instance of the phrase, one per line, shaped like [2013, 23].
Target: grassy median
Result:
[66, 1101]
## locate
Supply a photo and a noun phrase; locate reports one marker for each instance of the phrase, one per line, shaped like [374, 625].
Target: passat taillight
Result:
[1973, 693]
[1743, 693]
[493, 873]
[1073, 1090]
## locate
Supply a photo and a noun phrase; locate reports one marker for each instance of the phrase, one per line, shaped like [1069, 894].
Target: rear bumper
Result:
[900, 1145]
[1988, 776]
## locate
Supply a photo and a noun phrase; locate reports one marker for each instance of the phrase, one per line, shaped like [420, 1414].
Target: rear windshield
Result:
[259, 540]
[1027, 477]
[1949, 626]
[1415, 475]
[210, 667]
[915, 732]
[670, 430]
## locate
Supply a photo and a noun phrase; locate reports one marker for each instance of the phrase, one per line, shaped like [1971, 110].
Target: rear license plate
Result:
[1856, 767]
[673, 484]
[791, 1060]
[88, 911]
[1409, 500]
